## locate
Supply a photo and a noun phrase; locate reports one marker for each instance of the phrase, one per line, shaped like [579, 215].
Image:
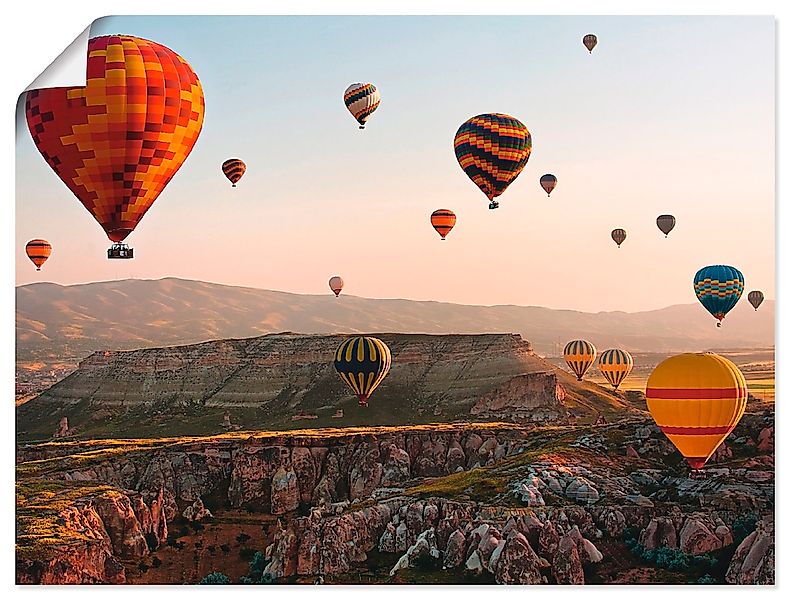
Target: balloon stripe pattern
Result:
[696, 399]
[615, 365]
[618, 235]
[443, 220]
[580, 355]
[755, 298]
[718, 288]
[363, 362]
[117, 142]
[590, 41]
[38, 252]
[361, 100]
[234, 168]
[493, 149]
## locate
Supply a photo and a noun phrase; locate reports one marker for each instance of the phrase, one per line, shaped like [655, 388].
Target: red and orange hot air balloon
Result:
[234, 169]
[443, 220]
[117, 142]
[38, 252]
[696, 400]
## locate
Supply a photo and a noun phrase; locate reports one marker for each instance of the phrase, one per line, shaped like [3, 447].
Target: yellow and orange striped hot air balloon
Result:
[696, 400]
[38, 252]
[615, 365]
[443, 220]
[580, 355]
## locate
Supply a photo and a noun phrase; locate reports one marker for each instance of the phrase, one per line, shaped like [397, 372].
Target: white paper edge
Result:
[69, 69]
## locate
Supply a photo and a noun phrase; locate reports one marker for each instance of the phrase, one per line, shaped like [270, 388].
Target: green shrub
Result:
[215, 579]
[707, 580]
[743, 526]
[246, 553]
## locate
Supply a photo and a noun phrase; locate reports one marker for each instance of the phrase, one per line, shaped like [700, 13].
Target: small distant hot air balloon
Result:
[590, 41]
[696, 400]
[580, 355]
[755, 298]
[618, 235]
[492, 149]
[361, 100]
[548, 182]
[119, 140]
[363, 363]
[615, 365]
[38, 251]
[443, 220]
[666, 223]
[718, 288]
[234, 168]
[336, 285]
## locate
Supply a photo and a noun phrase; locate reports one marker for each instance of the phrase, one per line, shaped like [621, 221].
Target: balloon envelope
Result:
[492, 149]
[579, 355]
[618, 235]
[117, 142]
[363, 363]
[234, 169]
[696, 400]
[361, 100]
[38, 251]
[590, 41]
[548, 182]
[615, 365]
[443, 220]
[718, 288]
[755, 298]
[665, 223]
[336, 285]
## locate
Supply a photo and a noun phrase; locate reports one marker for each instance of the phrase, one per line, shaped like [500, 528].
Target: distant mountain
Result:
[57, 322]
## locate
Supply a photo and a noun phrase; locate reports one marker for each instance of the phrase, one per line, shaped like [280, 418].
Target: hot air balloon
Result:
[615, 365]
[118, 141]
[718, 288]
[38, 251]
[361, 100]
[492, 149]
[234, 169]
[336, 285]
[666, 223]
[580, 355]
[443, 220]
[755, 298]
[696, 400]
[618, 235]
[548, 182]
[363, 362]
[590, 41]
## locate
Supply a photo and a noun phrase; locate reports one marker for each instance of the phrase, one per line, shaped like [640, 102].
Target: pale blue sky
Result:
[669, 114]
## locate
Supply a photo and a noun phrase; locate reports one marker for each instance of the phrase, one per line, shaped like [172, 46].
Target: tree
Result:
[215, 579]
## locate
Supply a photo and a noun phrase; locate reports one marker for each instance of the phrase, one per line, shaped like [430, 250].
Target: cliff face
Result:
[273, 380]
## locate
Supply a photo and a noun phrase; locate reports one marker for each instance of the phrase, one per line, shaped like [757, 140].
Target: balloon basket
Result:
[122, 251]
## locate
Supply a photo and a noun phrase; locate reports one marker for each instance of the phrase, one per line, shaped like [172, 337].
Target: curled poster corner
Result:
[69, 69]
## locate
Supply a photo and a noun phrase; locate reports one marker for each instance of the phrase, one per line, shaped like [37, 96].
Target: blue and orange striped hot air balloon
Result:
[718, 288]
[363, 363]
[580, 355]
[696, 400]
[492, 149]
[615, 365]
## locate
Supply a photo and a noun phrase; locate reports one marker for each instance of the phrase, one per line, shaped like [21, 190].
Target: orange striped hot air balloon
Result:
[119, 140]
[615, 365]
[443, 220]
[234, 169]
[38, 252]
[696, 400]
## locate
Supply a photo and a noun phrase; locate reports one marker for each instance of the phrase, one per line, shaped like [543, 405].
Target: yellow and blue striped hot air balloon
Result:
[580, 355]
[363, 362]
[696, 400]
[492, 149]
[361, 100]
[615, 365]
[718, 288]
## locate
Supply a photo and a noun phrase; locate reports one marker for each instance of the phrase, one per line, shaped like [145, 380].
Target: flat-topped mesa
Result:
[264, 382]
